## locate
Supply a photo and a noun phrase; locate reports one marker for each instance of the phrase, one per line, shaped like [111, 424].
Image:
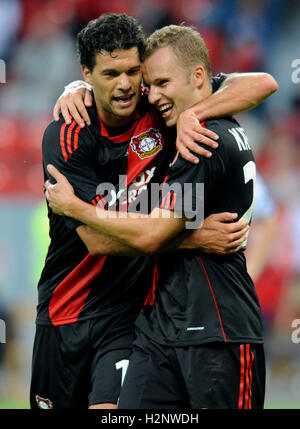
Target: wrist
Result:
[77, 85]
[198, 112]
[186, 119]
[71, 207]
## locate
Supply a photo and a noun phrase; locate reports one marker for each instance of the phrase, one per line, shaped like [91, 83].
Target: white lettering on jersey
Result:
[138, 185]
[296, 73]
[249, 170]
[240, 138]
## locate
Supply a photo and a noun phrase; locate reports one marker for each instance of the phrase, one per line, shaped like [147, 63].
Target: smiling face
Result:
[116, 79]
[172, 89]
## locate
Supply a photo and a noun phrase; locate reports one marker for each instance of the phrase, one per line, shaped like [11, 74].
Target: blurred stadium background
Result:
[37, 47]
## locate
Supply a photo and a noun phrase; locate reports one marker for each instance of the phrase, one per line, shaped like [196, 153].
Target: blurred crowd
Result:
[37, 46]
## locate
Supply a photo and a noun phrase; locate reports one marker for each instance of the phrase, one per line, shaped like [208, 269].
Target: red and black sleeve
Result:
[69, 149]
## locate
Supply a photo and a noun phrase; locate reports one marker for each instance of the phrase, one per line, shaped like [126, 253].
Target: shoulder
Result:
[57, 129]
[231, 135]
[53, 128]
[234, 148]
[221, 125]
[65, 140]
[61, 131]
[51, 136]
[60, 128]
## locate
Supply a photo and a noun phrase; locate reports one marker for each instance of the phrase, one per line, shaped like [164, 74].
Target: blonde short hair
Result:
[186, 43]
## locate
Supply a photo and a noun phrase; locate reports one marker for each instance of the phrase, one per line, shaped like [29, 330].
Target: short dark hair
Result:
[109, 32]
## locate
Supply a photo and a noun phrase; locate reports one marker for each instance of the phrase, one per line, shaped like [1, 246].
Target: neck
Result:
[202, 93]
[113, 120]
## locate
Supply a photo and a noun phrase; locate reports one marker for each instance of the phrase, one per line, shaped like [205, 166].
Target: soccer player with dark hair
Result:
[90, 291]
[88, 302]
[199, 337]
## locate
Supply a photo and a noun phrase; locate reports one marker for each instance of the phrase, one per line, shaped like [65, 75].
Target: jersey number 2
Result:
[249, 174]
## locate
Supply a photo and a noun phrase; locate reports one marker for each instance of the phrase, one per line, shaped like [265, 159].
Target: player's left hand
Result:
[60, 194]
[190, 131]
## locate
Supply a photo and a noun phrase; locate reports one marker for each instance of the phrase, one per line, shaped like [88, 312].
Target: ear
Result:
[199, 76]
[87, 75]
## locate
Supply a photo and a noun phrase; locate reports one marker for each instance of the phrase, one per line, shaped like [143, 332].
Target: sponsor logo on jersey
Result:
[43, 403]
[147, 144]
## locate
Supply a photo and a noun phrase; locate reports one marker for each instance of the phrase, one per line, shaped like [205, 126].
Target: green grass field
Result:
[9, 404]
[21, 405]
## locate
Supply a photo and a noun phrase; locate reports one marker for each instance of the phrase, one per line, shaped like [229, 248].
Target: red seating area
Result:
[21, 170]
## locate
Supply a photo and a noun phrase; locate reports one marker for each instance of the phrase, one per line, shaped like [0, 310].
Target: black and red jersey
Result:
[199, 297]
[75, 285]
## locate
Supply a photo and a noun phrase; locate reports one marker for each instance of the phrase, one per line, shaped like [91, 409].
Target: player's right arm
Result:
[61, 197]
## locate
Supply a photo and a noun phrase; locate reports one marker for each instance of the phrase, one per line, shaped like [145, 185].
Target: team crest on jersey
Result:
[43, 403]
[147, 144]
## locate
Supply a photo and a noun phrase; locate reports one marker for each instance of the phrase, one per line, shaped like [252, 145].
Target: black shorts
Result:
[77, 365]
[212, 376]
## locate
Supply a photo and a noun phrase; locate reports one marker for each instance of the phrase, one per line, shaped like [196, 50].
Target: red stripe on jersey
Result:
[162, 203]
[245, 392]
[242, 375]
[70, 295]
[167, 205]
[164, 198]
[103, 200]
[62, 141]
[165, 179]
[100, 202]
[150, 297]
[250, 393]
[214, 298]
[69, 137]
[76, 137]
[173, 201]
[247, 389]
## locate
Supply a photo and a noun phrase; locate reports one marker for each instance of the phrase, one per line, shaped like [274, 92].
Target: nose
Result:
[124, 83]
[154, 95]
